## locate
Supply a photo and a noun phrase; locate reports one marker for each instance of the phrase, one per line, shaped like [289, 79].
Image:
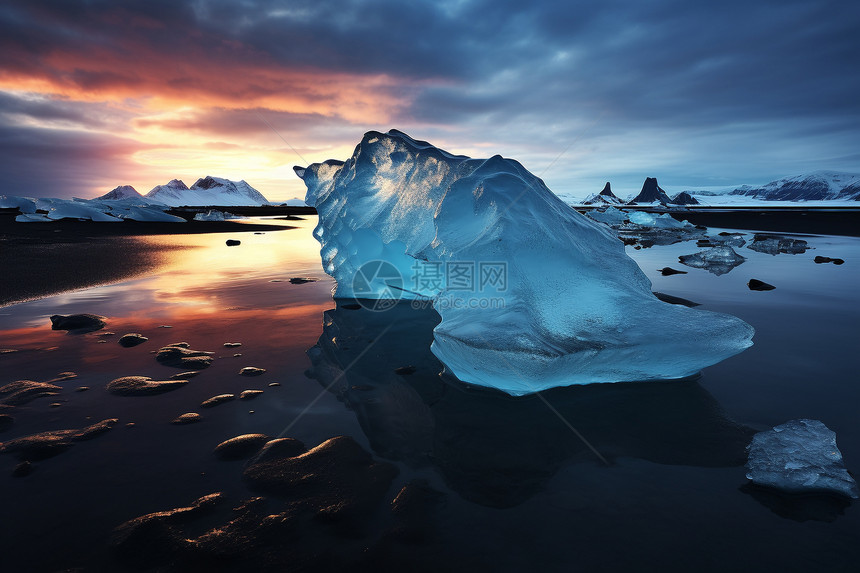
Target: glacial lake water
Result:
[522, 488]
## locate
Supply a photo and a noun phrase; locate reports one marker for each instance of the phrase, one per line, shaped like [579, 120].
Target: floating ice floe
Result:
[776, 244]
[541, 297]
[24, 204]
[99, 210]
[716, 260]
[213, 215]
[799, 456]
[610, 216]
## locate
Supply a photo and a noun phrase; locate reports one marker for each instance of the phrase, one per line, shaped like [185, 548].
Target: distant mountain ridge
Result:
[653, 194]
[814, 186]
[207, 191]
[119, 193]
[605, 197]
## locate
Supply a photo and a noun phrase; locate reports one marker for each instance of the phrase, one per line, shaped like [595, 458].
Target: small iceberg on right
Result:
[799, 456]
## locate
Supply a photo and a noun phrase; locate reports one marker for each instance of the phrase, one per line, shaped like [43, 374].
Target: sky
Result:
[97, 94]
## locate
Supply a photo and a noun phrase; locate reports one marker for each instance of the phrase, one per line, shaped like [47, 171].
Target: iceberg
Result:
[775, 244]
[610, 216]
[25, 205]
[799, 456]
[717, 260]
[531, 294]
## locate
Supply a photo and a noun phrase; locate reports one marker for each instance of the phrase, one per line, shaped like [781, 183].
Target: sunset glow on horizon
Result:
[95, 95]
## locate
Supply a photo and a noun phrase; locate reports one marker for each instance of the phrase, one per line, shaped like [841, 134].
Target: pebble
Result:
[252, 371]
[131, 339]
[142, 386]
[219, 399]
[187, 418]
[250, 394]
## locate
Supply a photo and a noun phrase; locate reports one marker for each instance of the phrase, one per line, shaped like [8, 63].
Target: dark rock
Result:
[819, 260]
[668, 271]
[280, 448]
[684, 198]
[185, 375]
[405, 370]
[415, 510]
[755, 284]
[675, 299]
[179, 356]
[6, 422]
[78, 323]
[651, 193]
[23, 469]
[249, 394]
[252, 371]
[96, 429]
[240, 447]
[219, 399]
[336, 480]
[22, 392]
[302, 280]
[188, 418]
[132, 339]
[142, 386]
[48, 444]
[233, 242]
[151, 539]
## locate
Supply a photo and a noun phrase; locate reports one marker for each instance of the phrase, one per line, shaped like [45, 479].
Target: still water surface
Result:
[522, 490]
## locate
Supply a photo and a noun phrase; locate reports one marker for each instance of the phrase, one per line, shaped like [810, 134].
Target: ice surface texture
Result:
[717, 260]
[799, 456]
[575, 308]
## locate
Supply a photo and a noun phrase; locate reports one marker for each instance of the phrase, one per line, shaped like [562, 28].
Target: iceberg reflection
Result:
[492, 448]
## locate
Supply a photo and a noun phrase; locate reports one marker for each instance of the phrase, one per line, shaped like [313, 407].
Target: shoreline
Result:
[46, 259]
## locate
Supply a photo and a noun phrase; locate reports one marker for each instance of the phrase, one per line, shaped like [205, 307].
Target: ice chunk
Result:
[32, 218]
[147, 213]
[23, 204]
[209, 216]
[717, 260]
[775, 244]
[542, 296]
[799, 456]
[610, 216]
[65, 209]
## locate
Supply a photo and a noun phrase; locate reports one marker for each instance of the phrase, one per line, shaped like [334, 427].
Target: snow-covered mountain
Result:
[207, 191]
[605, 197]
[119, 193]
[815, 186]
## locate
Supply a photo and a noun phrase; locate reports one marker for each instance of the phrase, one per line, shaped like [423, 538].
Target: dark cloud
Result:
[39, 162]
[56, 112]
[751, 87]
